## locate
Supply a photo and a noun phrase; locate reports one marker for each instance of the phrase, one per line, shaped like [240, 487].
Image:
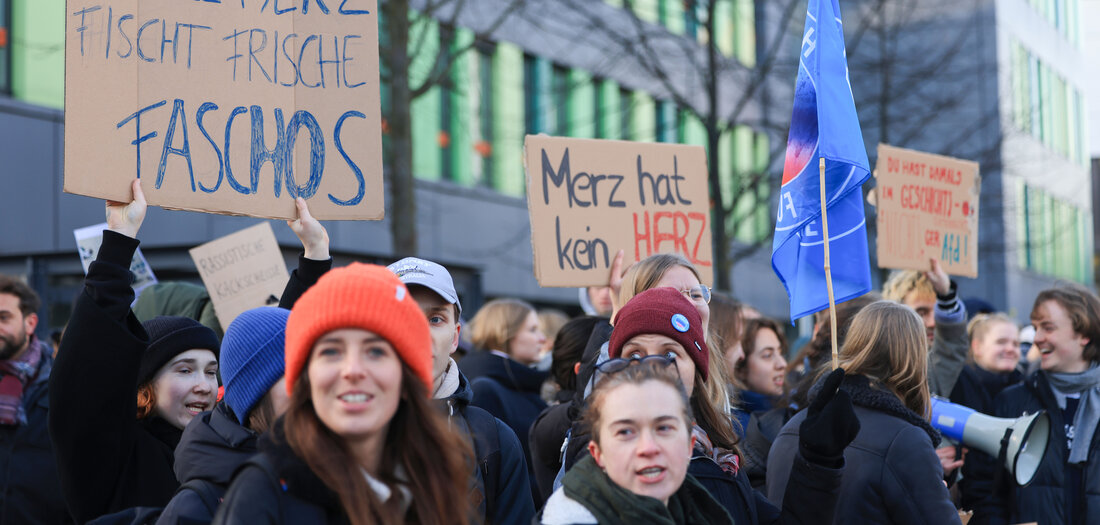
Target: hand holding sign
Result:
[313, 235]
[941, 282]
[126, 218]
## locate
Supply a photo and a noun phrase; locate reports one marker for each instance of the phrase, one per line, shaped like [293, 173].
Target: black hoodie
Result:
[214, 445]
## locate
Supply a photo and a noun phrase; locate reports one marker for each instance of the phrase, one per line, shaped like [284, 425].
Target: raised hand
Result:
[126, 218]
[313, 235]
[941, 282]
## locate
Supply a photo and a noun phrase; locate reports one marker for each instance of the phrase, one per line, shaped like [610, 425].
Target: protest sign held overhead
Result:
[226, 107]
[241, 271]
[590, 198]
[927, 209]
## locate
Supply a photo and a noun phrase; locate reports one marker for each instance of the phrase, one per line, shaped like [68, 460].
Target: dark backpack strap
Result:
[209, 493]
[261, 462]
[483, 431]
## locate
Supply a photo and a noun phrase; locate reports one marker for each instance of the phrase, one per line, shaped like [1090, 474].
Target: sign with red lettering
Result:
[590, 198]
[224, 106]
[927, 209]
[242, 270]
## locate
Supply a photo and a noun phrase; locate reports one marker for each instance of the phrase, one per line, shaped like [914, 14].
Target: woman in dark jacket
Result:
[361, 441]
[122, 391]
[762, 369]
[994, 365]
[892, 473]
[501, 374]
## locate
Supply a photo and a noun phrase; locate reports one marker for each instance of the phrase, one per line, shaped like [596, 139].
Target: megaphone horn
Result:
[1024, 439]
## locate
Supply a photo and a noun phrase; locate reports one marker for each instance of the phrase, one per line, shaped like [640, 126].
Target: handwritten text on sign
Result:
[241, 270]
[590, 198]
[927, 209]
[227, 106]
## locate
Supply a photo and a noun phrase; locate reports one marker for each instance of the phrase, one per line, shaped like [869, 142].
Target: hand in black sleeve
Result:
[830, 424]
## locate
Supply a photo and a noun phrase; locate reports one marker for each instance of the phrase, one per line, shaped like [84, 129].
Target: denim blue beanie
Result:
[252, 357]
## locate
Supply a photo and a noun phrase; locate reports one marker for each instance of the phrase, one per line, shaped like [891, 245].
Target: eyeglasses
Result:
[619, 364]
[697, 294]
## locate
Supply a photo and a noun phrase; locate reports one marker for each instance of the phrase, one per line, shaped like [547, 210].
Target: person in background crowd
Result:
[727, 324]
[933, 296]
[549, 430]
[178, 299]
[501, 472]
[994, 365]
[597, 300]
[216, 443]
[31, 491]
[503, 382]
[763, 370]
[550, 322]
[360, 441]
[662, 323]
[121, 391]
[892, 473]
[1066, 487]
[976, 306]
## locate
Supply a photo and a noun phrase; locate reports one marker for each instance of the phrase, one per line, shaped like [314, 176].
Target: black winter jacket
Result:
[106, 458]
[1043, 500]
[891, 474]
[214, 445]
[290, 494]
[509, 391]
[510, 501]
[31, 491]
[976, 388]
[547, 435]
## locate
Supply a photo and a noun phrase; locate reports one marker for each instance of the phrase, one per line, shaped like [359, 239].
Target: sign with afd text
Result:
[226, 106]
[590, 198]
[927, 209]
[241, 271]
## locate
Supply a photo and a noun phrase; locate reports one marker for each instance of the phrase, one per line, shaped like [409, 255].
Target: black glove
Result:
[830, 424]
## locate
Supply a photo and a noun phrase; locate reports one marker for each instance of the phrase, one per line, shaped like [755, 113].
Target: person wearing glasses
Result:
[662, 322]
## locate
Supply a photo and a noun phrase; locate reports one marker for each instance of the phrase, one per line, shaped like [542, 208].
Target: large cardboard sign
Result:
[88, 241]
[241, 271]
[927, 209]
[589, 198]
[226, 106]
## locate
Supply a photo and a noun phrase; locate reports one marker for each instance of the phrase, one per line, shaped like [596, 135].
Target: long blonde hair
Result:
[642, 276]
[887, 344]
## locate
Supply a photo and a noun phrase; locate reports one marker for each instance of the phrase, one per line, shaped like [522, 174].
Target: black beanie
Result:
[169, 337]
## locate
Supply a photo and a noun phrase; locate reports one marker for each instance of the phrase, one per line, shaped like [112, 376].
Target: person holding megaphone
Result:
[1066, 486]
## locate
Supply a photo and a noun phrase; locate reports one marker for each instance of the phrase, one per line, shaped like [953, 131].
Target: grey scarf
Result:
[1088, 410]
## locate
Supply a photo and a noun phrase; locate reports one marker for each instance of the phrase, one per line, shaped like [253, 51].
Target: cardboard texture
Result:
[241, 271]
[927, 209]
[88, 241]
[589, 198]
[226, 107]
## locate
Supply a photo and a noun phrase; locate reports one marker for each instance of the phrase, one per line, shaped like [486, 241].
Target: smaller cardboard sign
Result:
[88, 241]
[927, 209]
[590, 198]
[241, 271]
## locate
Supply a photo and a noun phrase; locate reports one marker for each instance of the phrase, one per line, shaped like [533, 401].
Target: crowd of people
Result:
[665, 403]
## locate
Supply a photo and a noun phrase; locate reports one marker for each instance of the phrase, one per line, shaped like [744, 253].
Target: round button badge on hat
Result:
[680, 323]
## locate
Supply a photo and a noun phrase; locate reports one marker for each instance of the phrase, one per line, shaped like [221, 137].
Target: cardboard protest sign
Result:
[589, 198]
[241, 271]
[224, 106]
[927, 209]
[88, 241]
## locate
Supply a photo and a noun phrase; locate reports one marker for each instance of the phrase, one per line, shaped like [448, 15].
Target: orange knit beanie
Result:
[362, 296]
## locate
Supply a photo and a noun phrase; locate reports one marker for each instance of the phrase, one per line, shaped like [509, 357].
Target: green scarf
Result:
[611, 504]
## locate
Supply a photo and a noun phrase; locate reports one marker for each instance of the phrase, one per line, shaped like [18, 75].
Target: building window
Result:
[34, 51]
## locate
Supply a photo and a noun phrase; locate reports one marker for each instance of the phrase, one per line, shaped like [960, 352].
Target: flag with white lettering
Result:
[823, 124]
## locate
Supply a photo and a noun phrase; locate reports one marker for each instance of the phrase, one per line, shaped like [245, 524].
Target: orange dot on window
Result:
[444, 139]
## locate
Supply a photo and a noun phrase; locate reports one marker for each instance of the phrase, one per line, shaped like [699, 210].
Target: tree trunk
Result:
[720, 236]
[401, 184]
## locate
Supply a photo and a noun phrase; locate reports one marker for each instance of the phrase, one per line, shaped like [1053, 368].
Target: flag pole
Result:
[828, 268]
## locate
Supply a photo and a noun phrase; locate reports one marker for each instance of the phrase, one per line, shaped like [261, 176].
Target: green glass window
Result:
[425, 110]
[37, 51]
[509, 119]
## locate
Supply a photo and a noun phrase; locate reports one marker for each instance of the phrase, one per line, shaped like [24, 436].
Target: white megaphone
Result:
[1024, 438]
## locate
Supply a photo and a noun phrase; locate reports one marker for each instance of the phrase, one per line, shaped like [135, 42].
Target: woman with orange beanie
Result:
[361, 442]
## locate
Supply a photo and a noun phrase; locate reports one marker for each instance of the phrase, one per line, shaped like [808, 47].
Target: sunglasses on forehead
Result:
[619, 364]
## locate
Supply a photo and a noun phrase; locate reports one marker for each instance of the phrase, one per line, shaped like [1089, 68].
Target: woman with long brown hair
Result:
[892, 473]
[361, 441]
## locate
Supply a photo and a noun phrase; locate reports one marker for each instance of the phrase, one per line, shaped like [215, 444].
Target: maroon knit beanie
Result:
[663, 311]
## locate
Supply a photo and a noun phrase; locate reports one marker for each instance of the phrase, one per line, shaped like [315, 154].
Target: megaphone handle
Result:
[1002, 455]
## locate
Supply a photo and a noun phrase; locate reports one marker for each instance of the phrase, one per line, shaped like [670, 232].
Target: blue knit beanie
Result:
[252, 359]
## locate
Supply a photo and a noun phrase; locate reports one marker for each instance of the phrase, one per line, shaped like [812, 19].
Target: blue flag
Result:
[823, 124]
